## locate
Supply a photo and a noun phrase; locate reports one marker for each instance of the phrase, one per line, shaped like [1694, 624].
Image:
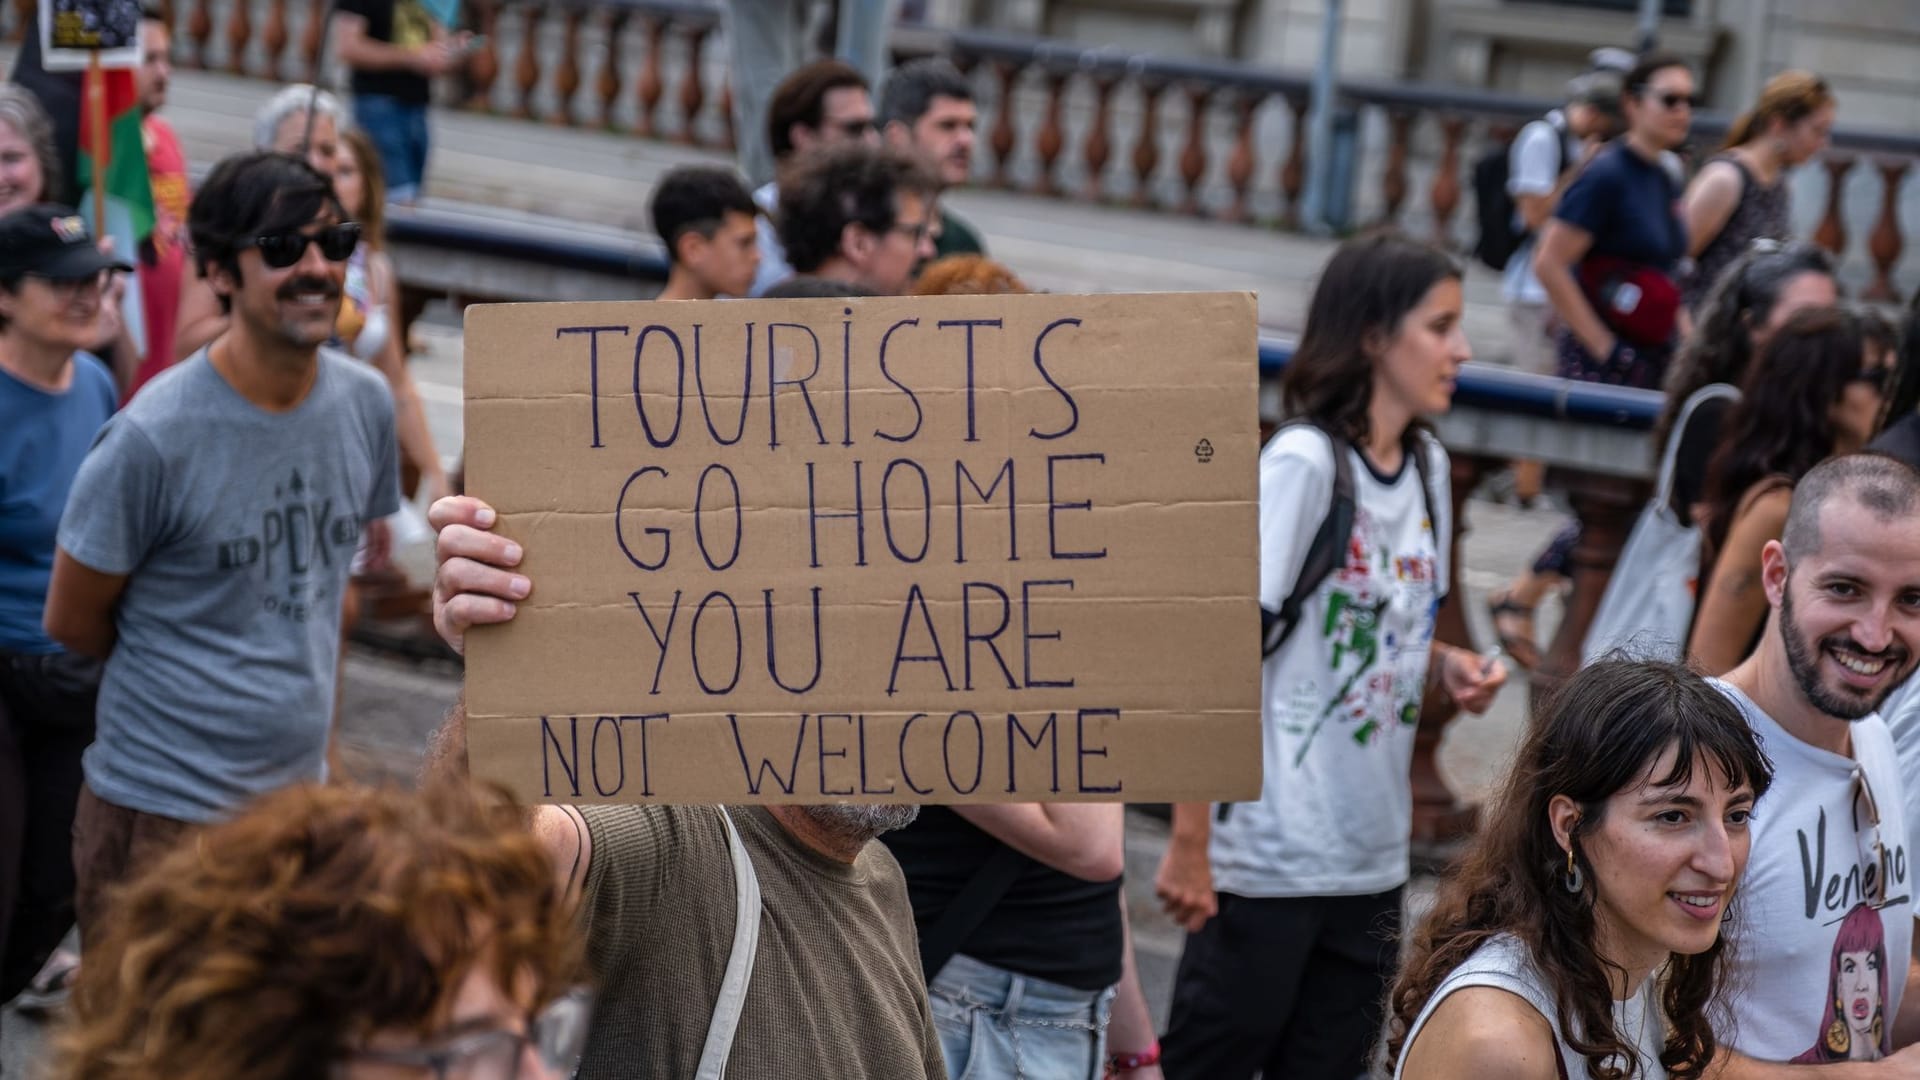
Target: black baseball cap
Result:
[51, 241]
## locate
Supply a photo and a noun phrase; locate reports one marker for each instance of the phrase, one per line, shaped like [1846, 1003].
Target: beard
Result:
[1803, 659]
[861, 822]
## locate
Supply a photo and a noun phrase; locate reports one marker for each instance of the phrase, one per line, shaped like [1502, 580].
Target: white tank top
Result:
[1502, 962]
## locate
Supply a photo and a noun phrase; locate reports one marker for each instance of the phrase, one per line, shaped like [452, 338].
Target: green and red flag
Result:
[122, 169]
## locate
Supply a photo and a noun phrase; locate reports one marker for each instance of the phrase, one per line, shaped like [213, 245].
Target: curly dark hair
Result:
[1608, 725]
[1783, 423]
[1368, 287]
[1720, 349]
[832, 187]
[264, 947]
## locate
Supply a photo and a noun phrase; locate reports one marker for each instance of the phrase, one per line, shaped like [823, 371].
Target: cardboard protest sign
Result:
[952, 549]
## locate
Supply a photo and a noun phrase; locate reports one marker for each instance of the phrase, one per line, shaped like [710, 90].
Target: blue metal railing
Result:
[1502, 389]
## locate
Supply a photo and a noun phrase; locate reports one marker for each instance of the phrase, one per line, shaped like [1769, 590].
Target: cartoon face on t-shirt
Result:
[1855, 1027]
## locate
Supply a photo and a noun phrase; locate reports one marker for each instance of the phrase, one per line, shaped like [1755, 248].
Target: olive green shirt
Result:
[836, 988]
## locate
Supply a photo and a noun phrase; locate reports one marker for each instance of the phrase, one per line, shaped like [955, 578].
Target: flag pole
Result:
[96, 104]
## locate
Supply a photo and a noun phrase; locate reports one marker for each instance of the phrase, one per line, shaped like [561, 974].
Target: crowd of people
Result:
[1697, 864]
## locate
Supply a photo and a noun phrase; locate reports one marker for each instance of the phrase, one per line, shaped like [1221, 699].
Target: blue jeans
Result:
[995, 1025]
[399, 131]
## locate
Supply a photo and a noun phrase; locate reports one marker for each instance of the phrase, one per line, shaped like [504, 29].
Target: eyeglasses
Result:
[1674, 101]
[1873, 893]
[557, 1033]
[916, 230]
[854, 129]
[281, 250]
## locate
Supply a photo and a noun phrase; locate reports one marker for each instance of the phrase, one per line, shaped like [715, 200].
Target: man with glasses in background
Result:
[863, 215]
[209, 534]
[825, 103]
[1822, 927]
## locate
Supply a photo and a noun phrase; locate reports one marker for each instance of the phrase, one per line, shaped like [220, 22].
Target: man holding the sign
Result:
[949, 550]
[835, 968]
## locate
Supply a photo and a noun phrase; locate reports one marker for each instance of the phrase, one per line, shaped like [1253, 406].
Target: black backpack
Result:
[1328, 551]
[1500, 234]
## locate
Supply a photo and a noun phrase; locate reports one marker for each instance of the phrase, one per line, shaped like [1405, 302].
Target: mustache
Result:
[1897, 654]
[296, 286]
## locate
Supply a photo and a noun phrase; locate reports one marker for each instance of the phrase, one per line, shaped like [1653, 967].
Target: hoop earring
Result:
[1574, 880]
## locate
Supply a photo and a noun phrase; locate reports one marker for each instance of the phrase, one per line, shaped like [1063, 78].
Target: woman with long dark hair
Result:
[1813, 394]
[1753, 299]
[1293, 901]
[1615, 850]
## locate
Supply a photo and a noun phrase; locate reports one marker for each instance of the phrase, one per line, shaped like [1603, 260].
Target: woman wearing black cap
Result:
[54, 397]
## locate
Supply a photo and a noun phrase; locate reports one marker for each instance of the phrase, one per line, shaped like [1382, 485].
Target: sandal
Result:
[1516, 642]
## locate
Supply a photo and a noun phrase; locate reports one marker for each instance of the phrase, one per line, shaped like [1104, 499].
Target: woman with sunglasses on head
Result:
[338, 933]
[1608, 259]
[54, 398]
[1741, 194]
[1815, 392]
[1755, 296]
[1584, 932]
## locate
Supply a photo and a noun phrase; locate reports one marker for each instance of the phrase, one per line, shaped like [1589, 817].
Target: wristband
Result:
[1120, 1063]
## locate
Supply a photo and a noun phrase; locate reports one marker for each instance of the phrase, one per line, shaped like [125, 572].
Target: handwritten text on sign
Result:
[908, 550]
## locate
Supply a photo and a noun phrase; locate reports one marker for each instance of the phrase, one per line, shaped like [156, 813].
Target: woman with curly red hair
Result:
[337, 933]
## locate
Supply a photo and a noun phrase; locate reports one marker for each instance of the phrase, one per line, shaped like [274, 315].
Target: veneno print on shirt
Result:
[1823, 920]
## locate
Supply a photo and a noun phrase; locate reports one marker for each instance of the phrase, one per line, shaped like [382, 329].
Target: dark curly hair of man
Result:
[833, 187]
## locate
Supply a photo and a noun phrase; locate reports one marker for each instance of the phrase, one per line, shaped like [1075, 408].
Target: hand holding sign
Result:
[952, 549]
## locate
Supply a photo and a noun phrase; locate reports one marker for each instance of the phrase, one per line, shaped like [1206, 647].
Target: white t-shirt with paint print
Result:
[1341, 698]
[1819, 970]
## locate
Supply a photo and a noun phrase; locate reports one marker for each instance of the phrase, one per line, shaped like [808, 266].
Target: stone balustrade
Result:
[1222, 140]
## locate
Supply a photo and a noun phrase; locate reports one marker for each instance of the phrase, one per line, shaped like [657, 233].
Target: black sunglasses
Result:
[1876, 377]
[1674, 101]
[281, 250]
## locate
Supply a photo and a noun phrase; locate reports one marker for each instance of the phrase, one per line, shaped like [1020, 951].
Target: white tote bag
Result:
[1649, 601]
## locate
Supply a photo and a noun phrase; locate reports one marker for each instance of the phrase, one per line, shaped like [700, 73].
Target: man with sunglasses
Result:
[864, 215]
[1831, 843]
[825, 103]
[209, 533]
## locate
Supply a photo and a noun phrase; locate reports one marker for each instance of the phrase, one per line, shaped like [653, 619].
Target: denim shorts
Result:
[995, 1024]
[398, 130]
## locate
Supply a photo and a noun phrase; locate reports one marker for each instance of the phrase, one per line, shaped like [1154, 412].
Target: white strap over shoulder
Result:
[746, 942]
[1670, 456]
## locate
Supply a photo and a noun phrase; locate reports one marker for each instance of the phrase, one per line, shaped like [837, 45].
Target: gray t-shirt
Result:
[235, 528]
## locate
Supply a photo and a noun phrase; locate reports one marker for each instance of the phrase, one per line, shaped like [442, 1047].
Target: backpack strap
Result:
[1326, 551]
[1417, 443]
[1670, 456]
[746, 942]
[968, 909]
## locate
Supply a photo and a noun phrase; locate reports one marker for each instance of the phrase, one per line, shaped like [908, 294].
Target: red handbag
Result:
[1638, 302]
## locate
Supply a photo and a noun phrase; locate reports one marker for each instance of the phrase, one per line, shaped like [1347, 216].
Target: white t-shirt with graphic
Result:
[1341, 698]
[1820, 969]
